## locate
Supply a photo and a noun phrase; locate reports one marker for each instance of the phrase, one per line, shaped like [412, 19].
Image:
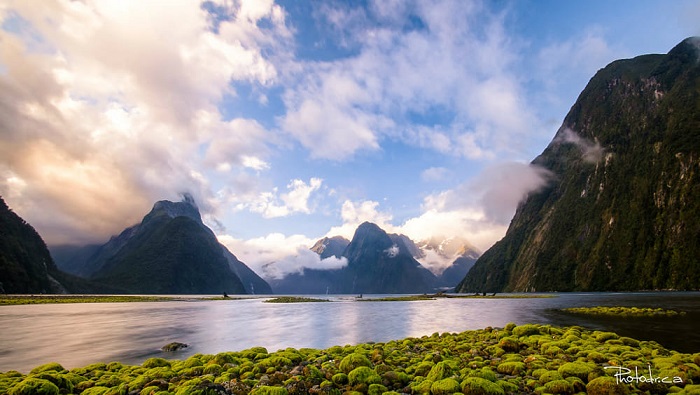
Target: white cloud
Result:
[591, 151]
[276, 255]
[355, 213]
[107, 106]
[272, 204]
[459, 60]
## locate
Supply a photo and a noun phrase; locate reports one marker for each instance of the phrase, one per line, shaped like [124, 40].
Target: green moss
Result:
[525, 330]
[606, 386]
[624, 311]
[363, 375]
[559, 387]
[446, 386]
[484, 373]
[34, 386]
[52, 366]
[268, 390]
[511, 368]
[575, 369]
[353, 361]
[96, 391]
[440, 371]
[155, 362]
[376, 389]
[479, 386]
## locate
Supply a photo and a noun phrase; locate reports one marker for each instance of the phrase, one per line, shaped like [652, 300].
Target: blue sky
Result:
[292, 120]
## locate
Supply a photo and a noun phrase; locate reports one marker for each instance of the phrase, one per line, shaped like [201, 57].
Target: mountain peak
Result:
[185, 208]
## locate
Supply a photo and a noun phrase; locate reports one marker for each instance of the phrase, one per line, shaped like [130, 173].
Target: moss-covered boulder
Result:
[606, 385]
[440, 371]
[353, 361]
[576, 369]
[363, 375]
[268, 390]
[446, 386]
[479, 386]
[559, 387]
[34, 386]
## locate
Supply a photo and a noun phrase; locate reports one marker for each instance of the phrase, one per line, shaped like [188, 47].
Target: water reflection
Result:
[79, 334]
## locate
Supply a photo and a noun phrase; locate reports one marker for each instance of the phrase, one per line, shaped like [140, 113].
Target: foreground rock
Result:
[525, 359]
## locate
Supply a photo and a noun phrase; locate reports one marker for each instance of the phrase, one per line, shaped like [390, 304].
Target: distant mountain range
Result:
[170, 252]
[621, 210]
[378, 262]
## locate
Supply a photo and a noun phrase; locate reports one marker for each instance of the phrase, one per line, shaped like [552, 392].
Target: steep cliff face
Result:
[25, 263]
[621, 209]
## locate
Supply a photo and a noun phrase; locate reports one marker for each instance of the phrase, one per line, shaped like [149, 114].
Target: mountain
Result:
[330, 246]
[170, 252]
[448, 258]
[25, 263]
[379, 263]
[26, 266]
[621, 209]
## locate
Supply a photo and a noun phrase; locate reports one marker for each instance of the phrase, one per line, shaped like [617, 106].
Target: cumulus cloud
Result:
[104, 108]
[355, 213]
[272, 204]
[455, 56]
[276, 255]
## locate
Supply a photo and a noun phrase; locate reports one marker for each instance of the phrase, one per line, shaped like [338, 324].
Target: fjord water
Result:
[80, 334]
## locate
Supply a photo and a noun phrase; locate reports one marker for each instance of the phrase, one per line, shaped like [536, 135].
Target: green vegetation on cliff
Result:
[621, 206]
[513, 360]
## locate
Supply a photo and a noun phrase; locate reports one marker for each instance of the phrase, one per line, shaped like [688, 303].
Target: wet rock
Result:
[174, 346]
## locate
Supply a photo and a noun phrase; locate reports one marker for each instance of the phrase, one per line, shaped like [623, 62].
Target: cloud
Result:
[408, 61]
[105, 108]
[272, 204]
[591, 151]
[276, 255]
[355, 213]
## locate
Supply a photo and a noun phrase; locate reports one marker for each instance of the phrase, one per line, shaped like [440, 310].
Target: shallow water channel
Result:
[79, 334]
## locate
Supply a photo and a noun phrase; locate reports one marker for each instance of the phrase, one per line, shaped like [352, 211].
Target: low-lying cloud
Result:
[591, 151]
[276, 255]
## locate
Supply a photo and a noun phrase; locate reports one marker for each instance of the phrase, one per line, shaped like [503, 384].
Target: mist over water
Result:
[79, 334]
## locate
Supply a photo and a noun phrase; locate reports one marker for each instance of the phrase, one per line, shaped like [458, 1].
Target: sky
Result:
[293, 120]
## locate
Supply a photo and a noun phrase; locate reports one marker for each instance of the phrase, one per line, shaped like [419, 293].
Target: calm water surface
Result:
[79, 334]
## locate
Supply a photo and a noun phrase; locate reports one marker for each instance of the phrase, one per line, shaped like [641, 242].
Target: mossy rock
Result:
[508, 387]
[440, 371]
[484, 373]
[51, 366]
[479, 386]
[511, 368]
[353, 361]
[174, 346]
[509, 344]
[576, 369]
[363, 375]
[340, 379]
[525, 330]
[421, 387]
[155, 363]
[559, 387]
[606, 385]
[97, 390]
[376, 389]
[547, 376]
[446, 386]
[34, 386]
[60, 380]
[269, 390]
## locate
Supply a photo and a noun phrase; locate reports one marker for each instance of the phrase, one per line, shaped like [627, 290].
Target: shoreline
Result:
[22, 299]
[529, 358]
